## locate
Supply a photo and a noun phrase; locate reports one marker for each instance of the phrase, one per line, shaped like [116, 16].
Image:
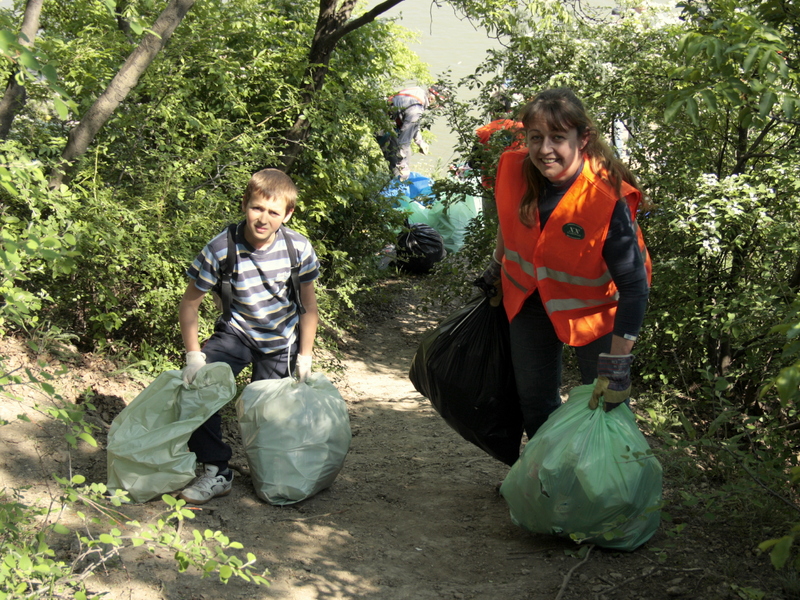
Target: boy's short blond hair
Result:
[272, 184]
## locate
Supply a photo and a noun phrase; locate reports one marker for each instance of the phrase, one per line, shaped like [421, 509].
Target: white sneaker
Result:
[209, 485]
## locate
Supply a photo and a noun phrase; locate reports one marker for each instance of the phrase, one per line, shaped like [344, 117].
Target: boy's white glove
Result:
[194, 361]
[303, 367]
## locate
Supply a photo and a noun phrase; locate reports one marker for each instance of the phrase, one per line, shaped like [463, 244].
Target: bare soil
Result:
[414, 514]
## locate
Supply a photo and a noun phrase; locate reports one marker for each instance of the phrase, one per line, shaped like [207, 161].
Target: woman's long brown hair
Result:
[562, 110]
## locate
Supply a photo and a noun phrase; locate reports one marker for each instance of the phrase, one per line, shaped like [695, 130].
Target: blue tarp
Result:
[422, 207]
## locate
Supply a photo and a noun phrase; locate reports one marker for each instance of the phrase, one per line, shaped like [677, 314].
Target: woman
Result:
[575, 269]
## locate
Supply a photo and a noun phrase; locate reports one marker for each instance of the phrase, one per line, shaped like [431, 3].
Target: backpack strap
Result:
[225, 291]
[227, 268]
[294, 279]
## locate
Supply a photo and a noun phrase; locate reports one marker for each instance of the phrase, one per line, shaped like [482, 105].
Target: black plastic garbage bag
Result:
[463, 367]
[419, 247]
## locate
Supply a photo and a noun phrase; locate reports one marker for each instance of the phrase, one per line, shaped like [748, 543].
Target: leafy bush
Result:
[787, 386]
[31, 529]
[722, 262]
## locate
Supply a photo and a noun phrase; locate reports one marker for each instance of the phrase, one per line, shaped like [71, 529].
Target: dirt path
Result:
[414, 514]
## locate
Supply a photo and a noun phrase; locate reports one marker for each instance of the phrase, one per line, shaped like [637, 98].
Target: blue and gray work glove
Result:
[613, 381]
[489, 282]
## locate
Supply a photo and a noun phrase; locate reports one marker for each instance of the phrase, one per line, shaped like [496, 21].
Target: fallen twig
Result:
[626, 582]
[571, 571]
[646, 574]
[526, 553]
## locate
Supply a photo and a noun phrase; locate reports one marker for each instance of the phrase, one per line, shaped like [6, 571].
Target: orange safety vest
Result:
[515, 128]
[565, 260]
[516, 140]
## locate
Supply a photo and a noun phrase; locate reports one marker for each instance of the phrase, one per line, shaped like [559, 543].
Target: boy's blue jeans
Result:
[536, 353]
[225, 346]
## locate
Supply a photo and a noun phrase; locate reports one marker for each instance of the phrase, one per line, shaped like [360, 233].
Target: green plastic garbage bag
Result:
[417, 213]
[452, 221]
[295, 436]
[147, 453]
[588, 475]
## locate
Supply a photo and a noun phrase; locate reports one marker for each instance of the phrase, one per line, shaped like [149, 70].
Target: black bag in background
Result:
[419, 248]
[463, 367]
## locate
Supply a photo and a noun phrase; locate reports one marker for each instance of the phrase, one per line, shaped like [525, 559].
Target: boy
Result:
[263, 329]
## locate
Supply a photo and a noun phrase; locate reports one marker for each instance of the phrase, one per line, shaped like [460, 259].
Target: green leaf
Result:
[693, 111]
[7, 40]
[50, 73]
[30, 61]
[709, 99]
[672, 110]
[781, 551]
[210, 566]
[88, 439]
[61, 108]
[789, 107]
[768, 100]
[766, 59]
[61, 529]
[751, 57]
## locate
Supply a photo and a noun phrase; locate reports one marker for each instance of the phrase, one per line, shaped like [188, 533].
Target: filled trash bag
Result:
[416, 212]
[463, 367]
[587, 475]
[419, 247]
[449, 221]
[147, 454]
[295, 436]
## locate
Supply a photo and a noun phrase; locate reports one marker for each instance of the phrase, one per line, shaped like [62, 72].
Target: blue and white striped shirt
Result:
[261, 308]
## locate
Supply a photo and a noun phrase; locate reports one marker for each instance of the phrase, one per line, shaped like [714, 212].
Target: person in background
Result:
[266, 329]
[407, 107]
[501, 133]
[569, 257]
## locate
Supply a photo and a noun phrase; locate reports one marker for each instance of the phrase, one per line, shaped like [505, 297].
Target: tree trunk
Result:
[332, 26]
[15, 96]
[123, 82]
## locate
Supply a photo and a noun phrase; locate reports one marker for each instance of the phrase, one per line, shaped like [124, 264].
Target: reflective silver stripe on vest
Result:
[562, 277]
[576, 304]
[514, 281]
[526, 267]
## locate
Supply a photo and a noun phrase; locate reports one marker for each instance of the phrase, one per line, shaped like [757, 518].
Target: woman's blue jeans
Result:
[536, 353]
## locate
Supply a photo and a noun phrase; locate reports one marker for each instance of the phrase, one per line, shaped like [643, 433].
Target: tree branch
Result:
[368, 17]
[123, 82]
[15, 97]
